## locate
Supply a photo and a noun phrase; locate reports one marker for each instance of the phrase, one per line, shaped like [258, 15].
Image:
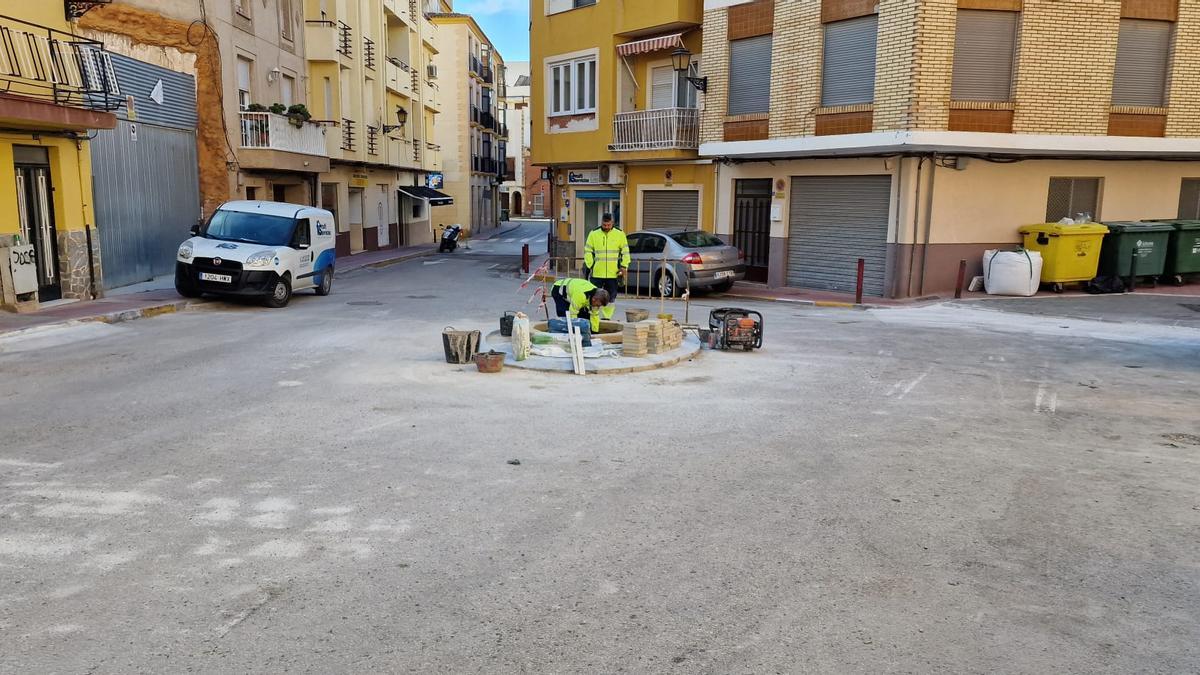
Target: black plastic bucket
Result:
[506, 323]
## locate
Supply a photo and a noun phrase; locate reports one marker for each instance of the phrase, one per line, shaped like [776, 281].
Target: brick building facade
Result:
[918, 133]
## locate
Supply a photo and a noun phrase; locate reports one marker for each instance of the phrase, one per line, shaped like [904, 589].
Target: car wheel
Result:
[281, 293]
[723, 287]
[666, 284]
[326, 286]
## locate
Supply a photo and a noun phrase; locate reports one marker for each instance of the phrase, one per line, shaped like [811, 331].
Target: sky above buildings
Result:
[506, 22]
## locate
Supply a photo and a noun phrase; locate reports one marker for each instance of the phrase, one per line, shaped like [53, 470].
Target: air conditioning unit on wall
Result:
[612, 174]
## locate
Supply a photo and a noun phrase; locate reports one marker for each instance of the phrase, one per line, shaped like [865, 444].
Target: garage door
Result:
[671, 210]
[835, 220]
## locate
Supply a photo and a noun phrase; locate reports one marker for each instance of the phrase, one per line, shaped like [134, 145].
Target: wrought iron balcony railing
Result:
[345, 39]
[47, 64]
[348, 137]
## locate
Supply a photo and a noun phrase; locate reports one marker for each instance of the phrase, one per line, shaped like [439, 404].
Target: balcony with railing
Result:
[349, 138]
[642, 18]
[322, 40]
[430, 95]
[660, 129]
[433, 157]
[268, 131]
[399, 76]
[41, 63]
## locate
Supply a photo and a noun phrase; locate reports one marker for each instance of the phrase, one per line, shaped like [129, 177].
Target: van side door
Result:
[302, 239]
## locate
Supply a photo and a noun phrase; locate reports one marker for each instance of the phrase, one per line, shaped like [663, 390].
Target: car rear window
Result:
[696, 239]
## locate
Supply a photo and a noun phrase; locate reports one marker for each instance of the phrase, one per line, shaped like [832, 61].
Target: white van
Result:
[255, 248]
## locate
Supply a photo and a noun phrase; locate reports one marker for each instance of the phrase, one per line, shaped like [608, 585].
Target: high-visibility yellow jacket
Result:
[578, 293]
[606, 252]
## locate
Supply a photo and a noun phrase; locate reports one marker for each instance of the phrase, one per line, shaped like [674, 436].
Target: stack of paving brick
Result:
[672, 336]
[654, 335]
[634, 339]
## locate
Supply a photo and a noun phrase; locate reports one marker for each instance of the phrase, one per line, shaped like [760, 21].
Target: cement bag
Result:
[521, 341]
[1016, 272]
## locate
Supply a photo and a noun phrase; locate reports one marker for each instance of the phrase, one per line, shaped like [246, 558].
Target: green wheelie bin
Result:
[1183, 252]
[1148, 239]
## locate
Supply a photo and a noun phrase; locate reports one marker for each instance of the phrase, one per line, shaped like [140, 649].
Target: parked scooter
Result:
[450, 237]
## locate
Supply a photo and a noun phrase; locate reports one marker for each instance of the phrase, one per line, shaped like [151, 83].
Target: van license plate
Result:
[223, 278]
[723, 275]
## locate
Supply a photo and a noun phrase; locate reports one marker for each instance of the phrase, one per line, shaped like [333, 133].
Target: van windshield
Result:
[252, 228]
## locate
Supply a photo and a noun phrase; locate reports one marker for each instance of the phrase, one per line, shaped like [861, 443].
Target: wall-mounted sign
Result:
[435, 181]
[360, 180]
[583, 176]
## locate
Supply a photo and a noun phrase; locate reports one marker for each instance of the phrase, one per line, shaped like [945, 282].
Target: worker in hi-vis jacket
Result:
[606, 255]
[579, 299]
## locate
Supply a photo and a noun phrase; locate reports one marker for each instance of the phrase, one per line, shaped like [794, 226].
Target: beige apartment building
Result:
[473, 133]
[243, 55]
[913, 134]
[373, 84]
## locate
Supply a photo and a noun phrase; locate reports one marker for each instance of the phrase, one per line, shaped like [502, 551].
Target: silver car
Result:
[694, 259]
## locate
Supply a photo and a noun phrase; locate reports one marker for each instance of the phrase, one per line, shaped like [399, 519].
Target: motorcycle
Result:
[450, 237]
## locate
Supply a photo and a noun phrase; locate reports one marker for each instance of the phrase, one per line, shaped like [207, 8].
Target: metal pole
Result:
[1133, 270]
[525, 258]
[962, 277]
[858, 291]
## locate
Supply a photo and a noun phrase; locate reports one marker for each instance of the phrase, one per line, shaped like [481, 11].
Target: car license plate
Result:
[723, 275]
[223, 278]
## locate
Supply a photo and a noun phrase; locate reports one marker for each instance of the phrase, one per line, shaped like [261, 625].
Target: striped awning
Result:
[653, 44]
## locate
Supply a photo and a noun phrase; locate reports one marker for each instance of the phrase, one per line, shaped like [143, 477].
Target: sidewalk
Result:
[108, 310]
[376, 259]
[752, 291]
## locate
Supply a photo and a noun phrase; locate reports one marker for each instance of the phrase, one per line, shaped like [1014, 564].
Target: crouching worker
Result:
[579, 299]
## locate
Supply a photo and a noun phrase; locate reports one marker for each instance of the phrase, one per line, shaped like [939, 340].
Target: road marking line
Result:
[913, 385]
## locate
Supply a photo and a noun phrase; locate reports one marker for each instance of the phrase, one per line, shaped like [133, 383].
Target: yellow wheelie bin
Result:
[1070, 253]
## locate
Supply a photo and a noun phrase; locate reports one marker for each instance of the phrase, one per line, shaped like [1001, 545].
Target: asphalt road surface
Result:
[236, 489]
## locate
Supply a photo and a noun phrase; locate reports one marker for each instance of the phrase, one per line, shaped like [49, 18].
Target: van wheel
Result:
[326, 286]
[281, 293]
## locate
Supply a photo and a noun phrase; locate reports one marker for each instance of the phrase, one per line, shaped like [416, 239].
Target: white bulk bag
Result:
[1012, 272]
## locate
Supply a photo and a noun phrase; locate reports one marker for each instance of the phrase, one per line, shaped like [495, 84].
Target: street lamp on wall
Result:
[681, 61]
[401, 117]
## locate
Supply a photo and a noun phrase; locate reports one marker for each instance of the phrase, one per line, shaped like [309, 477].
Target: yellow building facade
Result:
[45, 162]
[373, 83]
[614, 125]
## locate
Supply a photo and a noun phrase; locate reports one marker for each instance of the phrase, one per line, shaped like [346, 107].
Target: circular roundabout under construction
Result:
[616, 348]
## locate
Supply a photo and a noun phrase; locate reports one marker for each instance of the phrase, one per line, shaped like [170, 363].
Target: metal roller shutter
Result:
[670, 210]
[835, 220]
[984, 45]
[1141, 76]
[750, 75]
[848, 72]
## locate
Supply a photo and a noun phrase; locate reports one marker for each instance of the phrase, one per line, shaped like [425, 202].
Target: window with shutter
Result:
[984, 50]
[243, 82]
[1070, 197]
[662, 87]
[848, 71]
[1141, 74]
[750, 75]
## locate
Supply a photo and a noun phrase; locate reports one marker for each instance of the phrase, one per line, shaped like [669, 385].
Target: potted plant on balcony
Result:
[298, 114]
[279, 109]
[257, 107]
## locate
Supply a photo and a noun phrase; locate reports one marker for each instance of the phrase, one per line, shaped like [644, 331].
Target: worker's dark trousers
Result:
[610, 285]
[561, 304]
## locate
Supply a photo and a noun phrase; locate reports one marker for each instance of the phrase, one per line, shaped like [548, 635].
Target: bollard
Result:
[1133, 270]
[858, 291]
[962, 278]
[525, 258]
